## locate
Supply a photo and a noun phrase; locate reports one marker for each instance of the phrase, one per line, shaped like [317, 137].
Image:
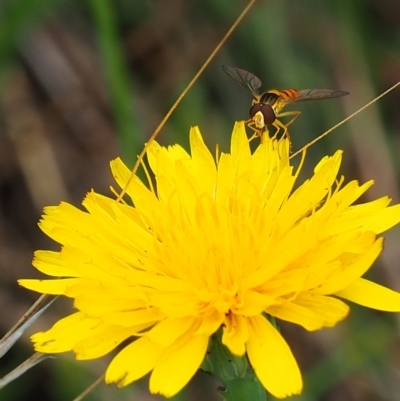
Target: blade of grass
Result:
[117, 77]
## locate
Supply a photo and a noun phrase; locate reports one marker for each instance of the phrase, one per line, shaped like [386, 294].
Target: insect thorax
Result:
[269, 98]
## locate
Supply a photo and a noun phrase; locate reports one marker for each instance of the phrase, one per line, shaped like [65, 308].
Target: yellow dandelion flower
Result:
[218, 244]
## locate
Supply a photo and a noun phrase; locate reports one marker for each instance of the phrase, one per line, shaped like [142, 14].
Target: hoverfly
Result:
[266, 107]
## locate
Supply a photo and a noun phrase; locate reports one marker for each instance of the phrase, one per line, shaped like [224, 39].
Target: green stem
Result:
[243, 389]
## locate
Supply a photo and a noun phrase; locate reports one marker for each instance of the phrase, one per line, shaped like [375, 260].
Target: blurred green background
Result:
[82, 82]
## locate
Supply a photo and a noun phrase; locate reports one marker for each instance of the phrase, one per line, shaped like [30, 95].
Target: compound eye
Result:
[266, 110]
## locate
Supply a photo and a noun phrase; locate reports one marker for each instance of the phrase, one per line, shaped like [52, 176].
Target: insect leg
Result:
[280, 126]
[296, 114]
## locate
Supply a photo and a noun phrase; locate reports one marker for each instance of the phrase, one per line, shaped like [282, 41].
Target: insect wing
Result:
[315, 94]
[244, 78]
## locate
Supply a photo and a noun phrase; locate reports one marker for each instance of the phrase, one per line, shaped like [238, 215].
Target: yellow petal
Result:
[235, 334]
[329, 309]
[349, 273]
[239, 142]
[350, 193]
[178, 365]
[65, 333]
[384, 219]
[254, 303]
[102, 340]
[133, 362]
[294, 313]
[52, 287]
[166, 332]
[311, 192]
[52, 264]
[130, 318]
[94, 301]
[65, 222]
[272, 359]
[211, 323]
[202, 160]
[371, 295]
[136, 189]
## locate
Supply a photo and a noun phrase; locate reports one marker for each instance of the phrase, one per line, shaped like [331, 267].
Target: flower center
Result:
[222, 299]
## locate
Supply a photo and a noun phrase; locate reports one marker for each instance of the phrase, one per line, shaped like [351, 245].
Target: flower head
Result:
[217, 243]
